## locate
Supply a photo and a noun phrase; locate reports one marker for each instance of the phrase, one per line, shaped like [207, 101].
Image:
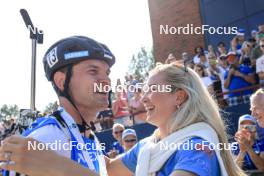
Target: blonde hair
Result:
[199, 107]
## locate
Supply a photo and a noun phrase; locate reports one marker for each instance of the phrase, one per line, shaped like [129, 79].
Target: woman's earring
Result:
[178, 106]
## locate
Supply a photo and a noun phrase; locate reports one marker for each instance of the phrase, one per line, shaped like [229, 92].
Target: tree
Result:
[141, 63]
[51, 107]
[8, 111]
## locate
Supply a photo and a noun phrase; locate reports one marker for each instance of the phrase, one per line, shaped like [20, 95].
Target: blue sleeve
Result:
[225, 75]
[247, 70]
[129, 158]
[261, 146]
[203, 163]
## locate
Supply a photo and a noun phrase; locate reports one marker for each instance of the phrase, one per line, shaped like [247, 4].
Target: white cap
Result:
[127, 132]
[246, 117]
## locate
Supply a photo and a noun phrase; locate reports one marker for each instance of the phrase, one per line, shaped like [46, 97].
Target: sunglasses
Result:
[118, 132]
[251, 128]
[130, 140]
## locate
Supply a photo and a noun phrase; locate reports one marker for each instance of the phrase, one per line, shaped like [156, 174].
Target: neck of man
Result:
[86, 112]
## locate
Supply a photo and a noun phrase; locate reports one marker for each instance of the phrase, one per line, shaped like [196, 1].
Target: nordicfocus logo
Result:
[52, 58]
[132, 88]
[190, 29]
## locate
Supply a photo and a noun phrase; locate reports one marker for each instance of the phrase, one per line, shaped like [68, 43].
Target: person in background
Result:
[237, 77]
[257, 110]
[245, 54]
[237, 41]
[254, 33]
[136, 107]
[260, 64]
[129, 139]
[221, 47]
[249, 152]
[120, 110]
[203, 60]
[117, 145]
[202, 72]
[171, 58]
[199, 51]
[256, 106]
[211, 52]
[256, 51]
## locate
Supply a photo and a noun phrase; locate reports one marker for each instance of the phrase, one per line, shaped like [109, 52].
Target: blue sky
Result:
[122, 25]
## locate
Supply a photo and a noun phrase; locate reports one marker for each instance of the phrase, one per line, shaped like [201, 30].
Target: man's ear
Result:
[59, 79]
[181, 96]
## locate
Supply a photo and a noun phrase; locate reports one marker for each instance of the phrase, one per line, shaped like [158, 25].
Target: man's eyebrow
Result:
[108, 71]
[92, 67]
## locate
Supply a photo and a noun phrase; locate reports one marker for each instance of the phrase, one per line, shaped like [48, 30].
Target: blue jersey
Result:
[199, 162]
[248, 164]
[237, 82]
[95, 156]
[116, 146]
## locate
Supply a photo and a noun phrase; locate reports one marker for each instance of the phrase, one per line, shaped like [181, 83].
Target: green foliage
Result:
[141, 63]
[51, 107]
[8, 111]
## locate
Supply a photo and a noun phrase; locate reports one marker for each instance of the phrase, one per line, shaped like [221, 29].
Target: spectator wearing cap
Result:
[129, 139]
[117, 145]
[237, 77]
[248, 150]
[260, 64]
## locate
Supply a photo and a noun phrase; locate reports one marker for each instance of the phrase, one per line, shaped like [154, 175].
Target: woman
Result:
[120, 110]
[137, 108]
[185, 114]
[207, 81]
[245, 54]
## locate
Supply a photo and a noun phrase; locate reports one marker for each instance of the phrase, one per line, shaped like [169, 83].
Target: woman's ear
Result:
[181, 97]
[59, 79]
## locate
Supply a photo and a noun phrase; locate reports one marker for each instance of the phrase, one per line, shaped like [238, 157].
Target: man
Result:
[249, 151]
[74, 65]
[237, 77]
[257, 104]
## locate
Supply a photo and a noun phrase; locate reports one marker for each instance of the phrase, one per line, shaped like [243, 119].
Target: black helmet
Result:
[72, 50]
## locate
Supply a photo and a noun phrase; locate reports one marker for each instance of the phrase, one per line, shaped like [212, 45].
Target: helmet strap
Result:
[65, 93]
